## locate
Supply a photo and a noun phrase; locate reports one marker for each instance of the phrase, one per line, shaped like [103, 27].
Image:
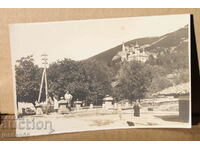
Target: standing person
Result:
[55, 100]
[136, 108]
[49, 101]
[68, 97]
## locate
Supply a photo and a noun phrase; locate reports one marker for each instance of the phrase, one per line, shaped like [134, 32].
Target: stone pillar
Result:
[103, 105]
[115, 105]
[126, 105]
[91, 106]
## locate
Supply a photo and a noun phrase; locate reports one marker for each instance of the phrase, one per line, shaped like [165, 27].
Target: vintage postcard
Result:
[101, 74]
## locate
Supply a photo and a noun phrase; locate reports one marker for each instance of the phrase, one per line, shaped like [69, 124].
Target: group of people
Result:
[67, 98]
[55, 100]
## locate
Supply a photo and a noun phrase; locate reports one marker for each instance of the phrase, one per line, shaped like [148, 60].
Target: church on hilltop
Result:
[131, 52]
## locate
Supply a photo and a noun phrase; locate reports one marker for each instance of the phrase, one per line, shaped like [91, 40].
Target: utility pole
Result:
[44, 58]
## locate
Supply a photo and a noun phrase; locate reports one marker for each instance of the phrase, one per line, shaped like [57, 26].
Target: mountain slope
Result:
[152, 44]
[110, 53]
[171, 39]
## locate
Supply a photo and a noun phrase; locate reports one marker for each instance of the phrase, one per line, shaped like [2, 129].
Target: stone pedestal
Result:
[63, 109]
[107, 101]
[108, 105]
[78, 105]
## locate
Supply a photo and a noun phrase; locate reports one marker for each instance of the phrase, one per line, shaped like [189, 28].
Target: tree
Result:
[159, 79]
[134, 79]
[67, 75]
[98, 77]
[151, 60]
[27, 80]
[158, 84]
[85, 80]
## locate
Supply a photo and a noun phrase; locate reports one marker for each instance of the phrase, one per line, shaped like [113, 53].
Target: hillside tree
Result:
[134, 78]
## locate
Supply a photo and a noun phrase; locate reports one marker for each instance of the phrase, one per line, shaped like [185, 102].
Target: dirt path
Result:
[98, 119]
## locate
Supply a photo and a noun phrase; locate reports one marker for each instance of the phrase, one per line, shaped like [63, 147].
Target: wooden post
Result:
[40, 92]
[44, 77]
[46, 85]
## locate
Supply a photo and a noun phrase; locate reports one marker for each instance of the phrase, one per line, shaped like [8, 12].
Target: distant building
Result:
[137, 53]
[132, 52]
[124, 54]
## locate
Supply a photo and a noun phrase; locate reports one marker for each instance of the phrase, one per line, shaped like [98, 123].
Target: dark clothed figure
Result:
[136, 108]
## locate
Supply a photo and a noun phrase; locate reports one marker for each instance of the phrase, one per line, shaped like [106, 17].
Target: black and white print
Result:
[101, 74]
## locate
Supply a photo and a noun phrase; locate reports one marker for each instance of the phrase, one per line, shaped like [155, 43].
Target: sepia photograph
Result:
[99, 74]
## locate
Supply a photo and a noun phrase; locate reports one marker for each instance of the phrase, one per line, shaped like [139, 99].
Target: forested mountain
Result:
[167, 59]
[157, 45]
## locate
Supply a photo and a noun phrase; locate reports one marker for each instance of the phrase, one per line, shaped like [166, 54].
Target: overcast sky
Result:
[82, 39]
